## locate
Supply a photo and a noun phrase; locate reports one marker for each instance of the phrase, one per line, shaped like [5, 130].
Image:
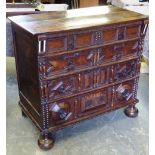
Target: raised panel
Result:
[57, 44]
[83, 40]
[110, 35]
[93, 102]
[133, 31]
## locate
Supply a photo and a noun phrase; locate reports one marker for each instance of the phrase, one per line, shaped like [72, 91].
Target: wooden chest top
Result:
[75, 19]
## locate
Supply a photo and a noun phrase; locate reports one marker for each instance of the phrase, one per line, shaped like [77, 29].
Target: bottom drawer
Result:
[94, 102]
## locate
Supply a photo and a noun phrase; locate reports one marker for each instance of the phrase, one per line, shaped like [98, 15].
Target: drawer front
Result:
[62, 87]
[61, 111]
[93, 102]
[62, 42]
[72, 61]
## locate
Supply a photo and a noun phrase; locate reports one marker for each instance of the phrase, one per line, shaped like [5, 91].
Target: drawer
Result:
[72, 61]
[62, 87]
[61, 111]
[93, 102]
[86, 38]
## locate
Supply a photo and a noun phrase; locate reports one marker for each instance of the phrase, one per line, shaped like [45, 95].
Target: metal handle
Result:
[62, 113]
[124, 92]
[60, 87]
[90, 56]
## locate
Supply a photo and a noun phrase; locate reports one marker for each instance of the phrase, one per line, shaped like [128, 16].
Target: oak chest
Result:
[77, 64]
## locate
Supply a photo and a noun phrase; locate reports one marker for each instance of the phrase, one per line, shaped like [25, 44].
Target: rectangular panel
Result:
[57, 44]
[93, 102]
[83, 40]
[133, 31]
[110, 35]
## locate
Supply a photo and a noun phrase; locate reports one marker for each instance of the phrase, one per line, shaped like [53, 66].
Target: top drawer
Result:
[85, 38]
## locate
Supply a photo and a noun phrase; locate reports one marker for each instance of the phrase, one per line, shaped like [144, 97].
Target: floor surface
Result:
[109, 134]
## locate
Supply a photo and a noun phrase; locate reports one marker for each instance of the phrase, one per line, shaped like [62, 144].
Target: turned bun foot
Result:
[131, 111]
[45, 142]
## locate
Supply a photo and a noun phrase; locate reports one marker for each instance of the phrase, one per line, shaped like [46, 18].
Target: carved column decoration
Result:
[43, 93]
[135, 88]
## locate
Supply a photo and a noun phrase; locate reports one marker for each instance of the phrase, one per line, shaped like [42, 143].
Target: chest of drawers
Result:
[77, 64]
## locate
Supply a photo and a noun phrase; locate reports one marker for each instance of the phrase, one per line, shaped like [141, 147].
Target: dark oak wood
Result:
[73, 66]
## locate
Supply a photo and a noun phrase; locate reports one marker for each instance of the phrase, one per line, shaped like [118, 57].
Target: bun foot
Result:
[131, 111]
[45, 142]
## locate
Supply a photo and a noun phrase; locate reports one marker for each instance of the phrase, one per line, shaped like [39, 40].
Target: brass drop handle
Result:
[62, 113]
[60, 87]
[124, 92]
[90, 57]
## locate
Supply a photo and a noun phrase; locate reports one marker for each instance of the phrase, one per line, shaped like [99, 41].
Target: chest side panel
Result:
[27, 74]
